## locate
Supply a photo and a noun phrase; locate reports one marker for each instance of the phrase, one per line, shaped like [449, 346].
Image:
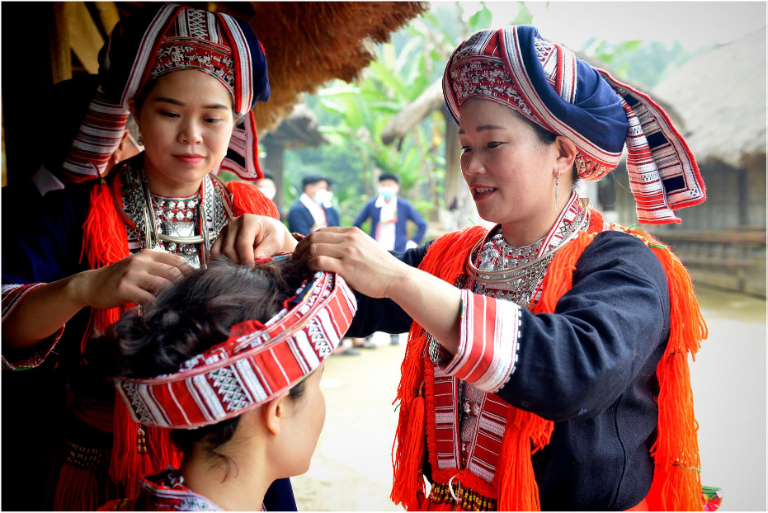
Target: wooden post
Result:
[108, 15]
[84, 36]
[274, 162]
[61, 54]
[453, 178]
[45, 60]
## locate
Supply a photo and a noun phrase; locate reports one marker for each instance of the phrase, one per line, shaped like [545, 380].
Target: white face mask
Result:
[388, 192]
[269, 192]
[322, 196]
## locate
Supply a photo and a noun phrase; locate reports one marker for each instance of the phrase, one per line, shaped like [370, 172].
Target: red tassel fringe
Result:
[76, 489]
[248, 199]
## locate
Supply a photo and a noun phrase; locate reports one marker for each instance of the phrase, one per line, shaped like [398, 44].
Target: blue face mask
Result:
[387, 192]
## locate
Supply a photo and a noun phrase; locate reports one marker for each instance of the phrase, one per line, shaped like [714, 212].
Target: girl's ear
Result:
[275, 412]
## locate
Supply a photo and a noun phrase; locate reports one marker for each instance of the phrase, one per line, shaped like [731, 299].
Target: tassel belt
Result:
[466, 498]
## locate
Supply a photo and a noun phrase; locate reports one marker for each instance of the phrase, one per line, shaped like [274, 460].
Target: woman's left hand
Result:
[355, 256]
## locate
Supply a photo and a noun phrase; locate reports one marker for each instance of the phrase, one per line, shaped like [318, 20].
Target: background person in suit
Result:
[389, 216]
[309, 213]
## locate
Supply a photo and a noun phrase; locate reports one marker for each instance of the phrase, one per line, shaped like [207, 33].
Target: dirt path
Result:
[351, 469]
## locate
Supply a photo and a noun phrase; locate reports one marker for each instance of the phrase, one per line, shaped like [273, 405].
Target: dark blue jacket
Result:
[590, 367]
[404, 212]
[300, 219]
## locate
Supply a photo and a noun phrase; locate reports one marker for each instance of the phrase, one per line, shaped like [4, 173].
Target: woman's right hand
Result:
[136, 279]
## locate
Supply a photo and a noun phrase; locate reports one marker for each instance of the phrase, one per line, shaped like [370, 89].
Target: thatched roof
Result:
[721, 96]
[432, 99]
[309, 43]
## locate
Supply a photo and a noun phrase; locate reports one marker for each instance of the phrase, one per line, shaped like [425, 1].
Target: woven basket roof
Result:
[310, 43]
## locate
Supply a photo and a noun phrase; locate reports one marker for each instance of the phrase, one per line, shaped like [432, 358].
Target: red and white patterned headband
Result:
[254, 365]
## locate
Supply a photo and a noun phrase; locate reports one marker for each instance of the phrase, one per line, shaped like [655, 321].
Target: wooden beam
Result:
[108, 15]
[61, 55]
[84, 36]
[413, 113]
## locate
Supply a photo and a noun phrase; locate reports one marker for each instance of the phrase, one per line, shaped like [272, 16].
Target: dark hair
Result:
[267, 175]
[312, 180]
[547, 137]
[388, 176]
[195, 314]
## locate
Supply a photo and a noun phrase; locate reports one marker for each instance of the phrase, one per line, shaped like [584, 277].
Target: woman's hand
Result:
[136, 279]
[249, 237]
[355, 256]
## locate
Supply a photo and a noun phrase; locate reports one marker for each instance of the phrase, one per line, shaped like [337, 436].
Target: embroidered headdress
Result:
[254, 365]
[160, 40]
[549, 85]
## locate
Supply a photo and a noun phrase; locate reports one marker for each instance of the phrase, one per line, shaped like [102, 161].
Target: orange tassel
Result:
[410, 435]
[559, 277]
[676, 482]
[411, 456]
[524, 434]
[248, 199]
[105, 242]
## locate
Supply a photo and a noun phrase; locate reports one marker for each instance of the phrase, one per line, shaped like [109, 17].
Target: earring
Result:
[141, 139]
[557, 187]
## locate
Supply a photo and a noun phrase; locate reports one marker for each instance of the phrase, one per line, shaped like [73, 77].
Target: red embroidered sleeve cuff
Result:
[35, 355]
[490, 332]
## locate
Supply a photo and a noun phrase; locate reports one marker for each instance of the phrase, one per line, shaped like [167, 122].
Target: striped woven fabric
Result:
[549, 85]
[254, 365]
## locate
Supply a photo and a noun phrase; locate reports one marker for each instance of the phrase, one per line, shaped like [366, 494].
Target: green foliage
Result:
[524, 16]
[481, 20]
[353, 116]
[644, 63]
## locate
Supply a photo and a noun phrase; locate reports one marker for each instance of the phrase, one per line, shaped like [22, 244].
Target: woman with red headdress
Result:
[190, 79]
[238, 388]
[547, 363]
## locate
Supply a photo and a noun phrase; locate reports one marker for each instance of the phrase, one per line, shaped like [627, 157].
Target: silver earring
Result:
[141, 139]
[557, 187]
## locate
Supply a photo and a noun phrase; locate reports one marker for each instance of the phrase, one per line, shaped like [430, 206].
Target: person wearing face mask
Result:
[389, 216]
[268, 188]
[309, 213]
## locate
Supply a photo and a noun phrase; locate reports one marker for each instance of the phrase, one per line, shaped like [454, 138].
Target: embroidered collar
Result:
[515, 274]
[497, 255]
[166, 491]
